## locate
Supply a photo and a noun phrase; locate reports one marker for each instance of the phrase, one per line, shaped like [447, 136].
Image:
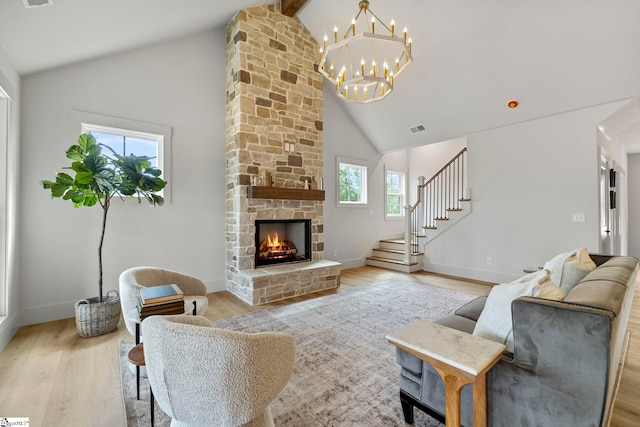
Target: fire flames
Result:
[275, 248]
[273, 243]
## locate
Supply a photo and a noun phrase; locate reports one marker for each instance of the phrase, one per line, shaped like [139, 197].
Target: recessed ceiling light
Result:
[36, 3]
[512, 104]
[419, 128]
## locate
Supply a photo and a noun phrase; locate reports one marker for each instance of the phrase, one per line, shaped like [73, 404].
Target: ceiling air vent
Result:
[36, 3]
[419, 128]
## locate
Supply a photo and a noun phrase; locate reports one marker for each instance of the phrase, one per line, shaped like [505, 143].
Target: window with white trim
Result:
[394, 194]
[352, 183]
[126, 137]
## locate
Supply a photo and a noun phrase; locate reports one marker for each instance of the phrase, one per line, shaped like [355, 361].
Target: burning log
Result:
[274, 248]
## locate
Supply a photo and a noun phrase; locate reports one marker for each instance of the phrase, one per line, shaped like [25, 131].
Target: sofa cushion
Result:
[621, 261]
[569, 268]
[614, 273]
[603, 294]
[457, 322]
[472, 310]
[495, 321]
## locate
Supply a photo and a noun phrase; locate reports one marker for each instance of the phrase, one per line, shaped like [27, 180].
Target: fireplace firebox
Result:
[281, 241]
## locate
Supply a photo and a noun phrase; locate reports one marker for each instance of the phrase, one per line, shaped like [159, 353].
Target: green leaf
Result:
[90, 200]
[46, 184]
[63, 178]
[75, 153]
[84, 177]
[95, 163]
[153, 172]
[58, 190]
[79, 167]
[157, 200]
[86, 141]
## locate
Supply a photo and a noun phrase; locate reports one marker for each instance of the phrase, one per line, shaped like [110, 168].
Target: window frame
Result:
[403, 194]
[83, 121]
[356, 163]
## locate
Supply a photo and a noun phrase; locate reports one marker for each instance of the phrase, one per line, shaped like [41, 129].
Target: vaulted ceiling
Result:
[470, 57]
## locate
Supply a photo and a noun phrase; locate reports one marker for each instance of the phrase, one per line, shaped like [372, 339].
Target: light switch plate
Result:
[579, 217]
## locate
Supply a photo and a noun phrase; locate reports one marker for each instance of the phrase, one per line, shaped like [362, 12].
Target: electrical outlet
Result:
[335, 254]
[579, 217]
[489, 261]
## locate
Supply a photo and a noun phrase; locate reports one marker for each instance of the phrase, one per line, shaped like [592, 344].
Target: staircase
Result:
[390, 254]
[441, 203]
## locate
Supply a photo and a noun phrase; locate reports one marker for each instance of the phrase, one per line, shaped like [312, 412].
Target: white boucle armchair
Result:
[204, 376]
[133, 279]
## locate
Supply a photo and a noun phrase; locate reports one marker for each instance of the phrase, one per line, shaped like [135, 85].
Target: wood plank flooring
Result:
[51, 375]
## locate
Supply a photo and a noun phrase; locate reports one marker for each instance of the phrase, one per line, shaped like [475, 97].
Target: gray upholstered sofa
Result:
[563, 368]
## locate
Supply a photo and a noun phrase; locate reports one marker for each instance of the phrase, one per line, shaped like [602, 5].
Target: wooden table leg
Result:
[480, 401]
[453, 385]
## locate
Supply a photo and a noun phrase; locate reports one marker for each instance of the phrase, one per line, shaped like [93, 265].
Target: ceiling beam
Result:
[291, 7]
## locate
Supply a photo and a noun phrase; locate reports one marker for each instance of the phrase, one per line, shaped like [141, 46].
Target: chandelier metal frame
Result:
[356, 83]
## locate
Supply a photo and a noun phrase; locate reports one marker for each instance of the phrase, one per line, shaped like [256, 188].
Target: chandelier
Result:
[363, 65]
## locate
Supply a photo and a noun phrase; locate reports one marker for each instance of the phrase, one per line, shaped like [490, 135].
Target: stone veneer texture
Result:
[274, 96]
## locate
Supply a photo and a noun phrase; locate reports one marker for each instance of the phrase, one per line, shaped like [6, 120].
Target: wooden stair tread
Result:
[398, 241]
[390, 261]
[391, 251]
[465, 200]
[428, 227]
[454, 210]
[442, 219]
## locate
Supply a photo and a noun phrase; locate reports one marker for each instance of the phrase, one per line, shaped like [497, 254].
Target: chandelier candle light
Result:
[357, 55]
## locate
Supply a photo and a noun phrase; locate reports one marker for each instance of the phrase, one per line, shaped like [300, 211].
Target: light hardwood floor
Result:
[54, 377]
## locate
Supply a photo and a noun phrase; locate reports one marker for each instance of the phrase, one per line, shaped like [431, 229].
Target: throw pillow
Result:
[495, 321]
[549, 290]
[570, 268]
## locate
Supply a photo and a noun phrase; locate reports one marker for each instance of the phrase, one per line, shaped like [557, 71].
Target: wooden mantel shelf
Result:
[282, 193]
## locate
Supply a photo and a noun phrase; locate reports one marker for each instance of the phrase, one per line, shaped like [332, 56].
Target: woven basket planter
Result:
[95, 318]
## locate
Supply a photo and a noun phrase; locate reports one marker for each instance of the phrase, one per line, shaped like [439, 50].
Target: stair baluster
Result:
[436, 197]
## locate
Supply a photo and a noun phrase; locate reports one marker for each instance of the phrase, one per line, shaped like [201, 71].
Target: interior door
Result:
[605, 200]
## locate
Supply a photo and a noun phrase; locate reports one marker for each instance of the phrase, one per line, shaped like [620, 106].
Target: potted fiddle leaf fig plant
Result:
[95, 178]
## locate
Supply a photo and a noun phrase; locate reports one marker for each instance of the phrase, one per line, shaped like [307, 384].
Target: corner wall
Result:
[526, 181]
[178, 83]
[10, 81]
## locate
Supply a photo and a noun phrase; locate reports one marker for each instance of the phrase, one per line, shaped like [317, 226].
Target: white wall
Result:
[351, 232]
[429, 159]
[10, 81]
[179, 84]
[633, 183]
[526, 180]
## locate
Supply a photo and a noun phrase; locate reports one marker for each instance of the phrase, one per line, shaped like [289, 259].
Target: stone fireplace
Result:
[273, 134]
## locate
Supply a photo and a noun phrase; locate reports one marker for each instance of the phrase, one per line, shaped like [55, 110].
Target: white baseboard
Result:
[9, 325]
[469, 273]
[48, 313]
[216, 285]
[353, 263]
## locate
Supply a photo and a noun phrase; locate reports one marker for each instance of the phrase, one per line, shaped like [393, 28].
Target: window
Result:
[126, 142]
[127, 137]
[352, 183]
[394, 197]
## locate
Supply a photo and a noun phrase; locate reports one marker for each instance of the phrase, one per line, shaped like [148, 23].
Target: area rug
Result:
[345, 372]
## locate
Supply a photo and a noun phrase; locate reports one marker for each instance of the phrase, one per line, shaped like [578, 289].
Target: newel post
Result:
[407, 234]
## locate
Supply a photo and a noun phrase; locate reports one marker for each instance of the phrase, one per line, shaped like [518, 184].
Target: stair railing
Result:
[438, 196]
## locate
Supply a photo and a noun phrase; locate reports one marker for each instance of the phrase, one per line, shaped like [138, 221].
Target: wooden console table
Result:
[459, 358]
